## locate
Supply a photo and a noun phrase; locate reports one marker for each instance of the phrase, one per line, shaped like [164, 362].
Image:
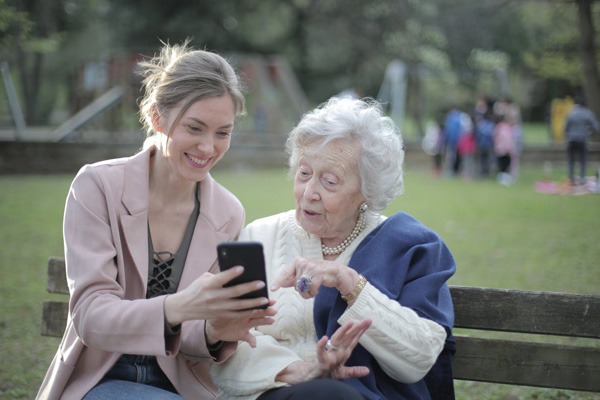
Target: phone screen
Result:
[250, 255]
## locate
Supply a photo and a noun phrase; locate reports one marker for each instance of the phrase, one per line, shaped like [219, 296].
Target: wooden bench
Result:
[54, 312]
[515, 362]
[524, 362]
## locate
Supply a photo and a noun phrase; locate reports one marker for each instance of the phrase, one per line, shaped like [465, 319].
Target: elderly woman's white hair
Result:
[362, 122]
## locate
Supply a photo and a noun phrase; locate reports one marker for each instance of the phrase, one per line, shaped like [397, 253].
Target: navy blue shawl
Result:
[410, 263]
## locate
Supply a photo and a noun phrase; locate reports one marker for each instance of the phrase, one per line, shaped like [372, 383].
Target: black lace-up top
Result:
[165, 268]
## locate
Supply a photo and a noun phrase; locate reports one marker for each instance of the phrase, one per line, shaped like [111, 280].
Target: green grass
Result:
[505, 237]
[535, 133]
[30, 231]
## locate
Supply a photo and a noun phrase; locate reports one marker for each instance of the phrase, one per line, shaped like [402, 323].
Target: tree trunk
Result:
[21, 61]
[30, 65]
[300, 38]
[417, 103]
[591, 85]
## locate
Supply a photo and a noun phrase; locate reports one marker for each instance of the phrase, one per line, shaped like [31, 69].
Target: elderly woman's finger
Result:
[353, 335]
[287, 278]
[341, 331]
[348, 335]
[351, 372]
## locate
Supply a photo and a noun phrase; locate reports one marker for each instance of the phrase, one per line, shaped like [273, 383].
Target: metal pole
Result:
[13, 101]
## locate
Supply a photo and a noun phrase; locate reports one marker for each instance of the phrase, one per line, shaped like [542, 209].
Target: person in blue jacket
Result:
[580, 125]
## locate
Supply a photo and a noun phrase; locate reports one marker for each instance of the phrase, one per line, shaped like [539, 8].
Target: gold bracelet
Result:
[362, 281]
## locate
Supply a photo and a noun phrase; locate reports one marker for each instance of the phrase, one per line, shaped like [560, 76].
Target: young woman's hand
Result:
[207, 298]
[238, 328]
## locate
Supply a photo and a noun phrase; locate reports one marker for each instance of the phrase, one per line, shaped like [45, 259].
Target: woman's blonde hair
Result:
[179, 74]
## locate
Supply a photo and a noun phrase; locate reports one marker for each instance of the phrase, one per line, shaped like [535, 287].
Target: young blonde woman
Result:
[148, 311]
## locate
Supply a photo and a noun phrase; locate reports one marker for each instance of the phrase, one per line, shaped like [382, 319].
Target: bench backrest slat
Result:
[55, 318]
[548, 313]
[57, 276]
[526, 363]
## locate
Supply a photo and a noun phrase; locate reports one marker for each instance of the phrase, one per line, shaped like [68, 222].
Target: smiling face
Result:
[327, 190]
[199, 138]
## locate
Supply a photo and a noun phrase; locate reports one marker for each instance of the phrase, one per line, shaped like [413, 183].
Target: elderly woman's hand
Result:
[319, 272]
[332, 354]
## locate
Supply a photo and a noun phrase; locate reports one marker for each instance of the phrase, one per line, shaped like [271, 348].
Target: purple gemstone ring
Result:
[304, 284]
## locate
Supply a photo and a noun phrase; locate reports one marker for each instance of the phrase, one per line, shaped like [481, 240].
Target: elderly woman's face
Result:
[327, 190]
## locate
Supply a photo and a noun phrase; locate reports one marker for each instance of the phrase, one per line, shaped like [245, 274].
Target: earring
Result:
[364, 207]
[156, 124]
[156, 120]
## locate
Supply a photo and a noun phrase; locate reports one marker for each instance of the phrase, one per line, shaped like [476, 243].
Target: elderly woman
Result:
[364, 310]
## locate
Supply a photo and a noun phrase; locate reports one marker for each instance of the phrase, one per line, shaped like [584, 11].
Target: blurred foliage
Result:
[555, 53]
[459, 47]
[35, 38]
[14, 26]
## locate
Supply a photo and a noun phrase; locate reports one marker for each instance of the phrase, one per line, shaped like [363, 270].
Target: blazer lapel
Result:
[202, 254]
[135, 199]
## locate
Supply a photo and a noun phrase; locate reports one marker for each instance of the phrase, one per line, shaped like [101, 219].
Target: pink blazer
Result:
[106, 253]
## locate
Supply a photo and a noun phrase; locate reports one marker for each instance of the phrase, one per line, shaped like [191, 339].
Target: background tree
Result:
[31, 42]
[455, 49]
[591, 85]
[563, 48]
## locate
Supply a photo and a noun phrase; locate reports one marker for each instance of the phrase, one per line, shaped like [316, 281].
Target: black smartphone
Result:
[249, 255]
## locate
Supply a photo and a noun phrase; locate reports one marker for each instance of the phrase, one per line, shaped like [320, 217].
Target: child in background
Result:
[504, 148]
[467, 146]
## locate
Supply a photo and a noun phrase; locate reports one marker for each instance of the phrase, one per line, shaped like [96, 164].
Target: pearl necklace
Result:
[358, 228]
